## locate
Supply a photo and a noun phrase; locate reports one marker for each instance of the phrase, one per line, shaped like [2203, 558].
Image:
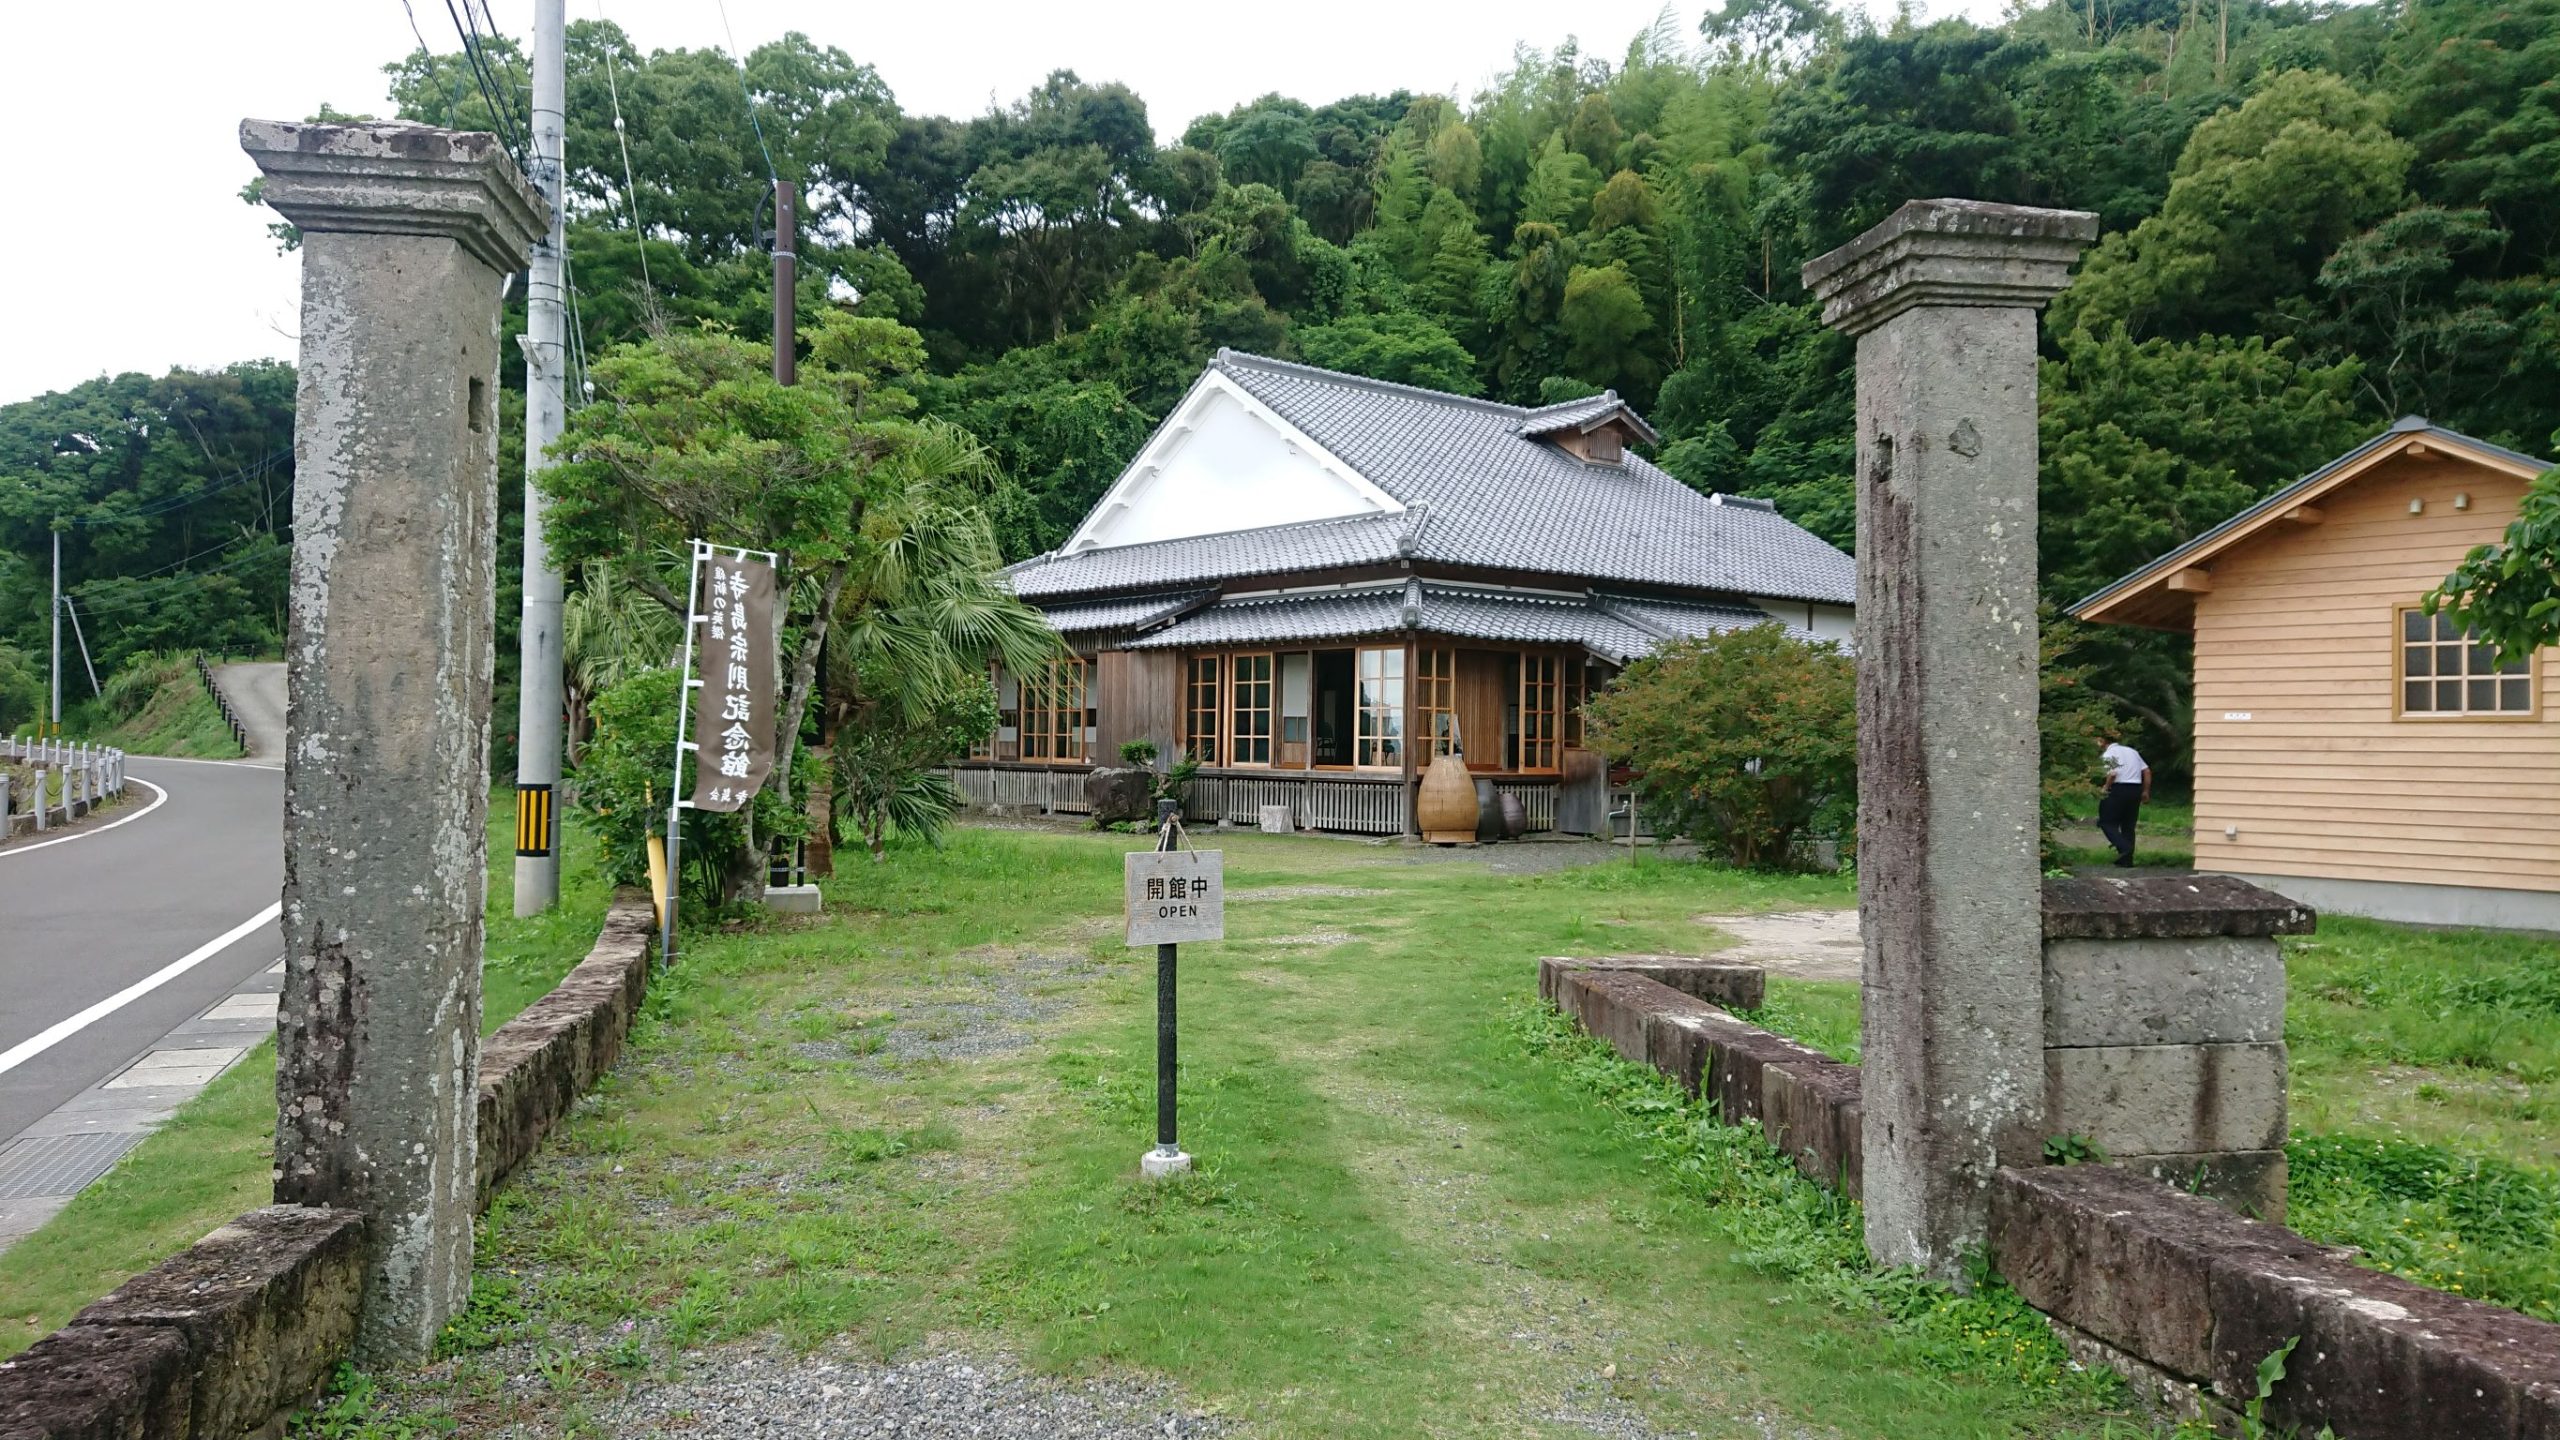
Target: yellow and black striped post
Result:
[537, 828]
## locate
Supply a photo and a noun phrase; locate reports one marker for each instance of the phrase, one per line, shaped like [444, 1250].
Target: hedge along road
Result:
[119, 934]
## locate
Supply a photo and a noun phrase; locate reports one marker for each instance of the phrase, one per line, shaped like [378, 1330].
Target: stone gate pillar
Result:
[1942, 298]
[408, 234]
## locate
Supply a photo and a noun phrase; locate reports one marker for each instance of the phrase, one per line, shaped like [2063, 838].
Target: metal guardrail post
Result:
[39, 799]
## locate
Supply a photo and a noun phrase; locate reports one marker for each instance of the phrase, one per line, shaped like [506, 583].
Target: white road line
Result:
[34, 1045]
[191, 760]
[100, 830]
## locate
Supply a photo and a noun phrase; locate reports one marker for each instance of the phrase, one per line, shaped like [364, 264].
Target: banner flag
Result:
[733, 710]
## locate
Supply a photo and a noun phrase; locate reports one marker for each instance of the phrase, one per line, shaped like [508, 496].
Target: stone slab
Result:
[266, 1306]
[1811, 1111]
[2167, 907]
[2203, 991]
[2206, 1295]
[89, 1382]
[191, 1066]
[260, 1006]
[1718, 982]
[2168, 1099]
[2251, 1182]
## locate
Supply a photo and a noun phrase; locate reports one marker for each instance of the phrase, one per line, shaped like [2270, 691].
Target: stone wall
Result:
[2181, 1293]
[254, 1319]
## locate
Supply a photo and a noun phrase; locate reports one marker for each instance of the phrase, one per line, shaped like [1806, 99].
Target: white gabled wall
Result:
[1827, 622]
[1224, 461]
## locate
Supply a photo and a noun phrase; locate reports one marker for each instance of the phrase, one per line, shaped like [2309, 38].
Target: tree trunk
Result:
[786, 748]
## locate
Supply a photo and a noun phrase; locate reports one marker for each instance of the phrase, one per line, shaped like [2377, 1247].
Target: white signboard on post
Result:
[1175, 896]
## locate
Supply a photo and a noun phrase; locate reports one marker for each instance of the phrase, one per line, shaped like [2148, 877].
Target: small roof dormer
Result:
[1595, 430]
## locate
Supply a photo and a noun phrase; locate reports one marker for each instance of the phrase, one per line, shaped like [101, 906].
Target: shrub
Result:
[1746, 740]
[622, 778]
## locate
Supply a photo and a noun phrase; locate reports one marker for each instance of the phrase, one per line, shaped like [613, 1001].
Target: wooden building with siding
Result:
[2352, 752]
[1315, 583]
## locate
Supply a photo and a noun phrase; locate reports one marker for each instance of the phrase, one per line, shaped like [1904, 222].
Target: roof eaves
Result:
[2401, 431]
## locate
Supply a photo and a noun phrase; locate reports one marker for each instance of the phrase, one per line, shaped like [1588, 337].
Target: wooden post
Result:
[1412, 728]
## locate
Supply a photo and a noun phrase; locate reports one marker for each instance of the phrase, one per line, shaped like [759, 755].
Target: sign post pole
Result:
[1172, 895]
[1167, 1158]
[676, 791]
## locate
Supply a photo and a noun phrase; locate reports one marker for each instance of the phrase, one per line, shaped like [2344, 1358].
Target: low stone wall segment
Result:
[2173, 1283]
[538, 1064]
[218, 1341]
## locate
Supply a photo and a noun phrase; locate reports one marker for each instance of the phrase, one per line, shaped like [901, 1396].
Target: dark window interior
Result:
[1336, 706]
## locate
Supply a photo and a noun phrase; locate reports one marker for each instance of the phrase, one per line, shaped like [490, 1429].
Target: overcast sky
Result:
[130, 250]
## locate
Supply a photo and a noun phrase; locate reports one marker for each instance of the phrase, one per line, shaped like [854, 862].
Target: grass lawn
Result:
[1419, 1209]
[2164, 836]
[212, 1160]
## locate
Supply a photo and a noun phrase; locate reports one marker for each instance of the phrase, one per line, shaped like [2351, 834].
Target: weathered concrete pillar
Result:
[1942, 298]
[407, 236]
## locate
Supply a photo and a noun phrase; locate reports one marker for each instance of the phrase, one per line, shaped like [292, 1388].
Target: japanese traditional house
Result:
[2352, 751]
[1315, 583]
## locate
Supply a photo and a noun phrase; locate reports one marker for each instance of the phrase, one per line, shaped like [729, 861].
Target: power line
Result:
[180, 501]
[452, 97]
[749, 91]
[121, 602]
[630, 186]
[466, 25]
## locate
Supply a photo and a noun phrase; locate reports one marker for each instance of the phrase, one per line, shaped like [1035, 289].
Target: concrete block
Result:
[794, 899]
[2219, 990]
[266, 1307]
[1811, 1111]
[91, 1382]
[2251, 1182]
[2169, 1099]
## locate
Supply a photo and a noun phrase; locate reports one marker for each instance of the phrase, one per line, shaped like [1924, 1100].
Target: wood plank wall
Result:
[1140, 695]
[2324, 778]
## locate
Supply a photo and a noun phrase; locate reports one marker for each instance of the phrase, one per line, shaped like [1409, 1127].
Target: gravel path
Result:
[748, 1390]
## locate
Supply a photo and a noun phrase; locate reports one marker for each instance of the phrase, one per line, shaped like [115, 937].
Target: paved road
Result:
[257, 698]
[83, 920]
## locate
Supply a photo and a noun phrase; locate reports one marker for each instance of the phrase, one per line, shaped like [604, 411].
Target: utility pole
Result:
[539, 693]
[786, 281]
[57, 628]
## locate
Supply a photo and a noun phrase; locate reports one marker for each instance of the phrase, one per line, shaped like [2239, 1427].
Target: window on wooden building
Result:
[1382, 708]
[2443, 671]
[1581, 682]
[1200, 727]
[1249, 739]
[1057, 706]
[1435, 699]
[1540, 697]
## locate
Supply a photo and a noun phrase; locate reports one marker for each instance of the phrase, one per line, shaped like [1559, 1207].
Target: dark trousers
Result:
[2117, 812]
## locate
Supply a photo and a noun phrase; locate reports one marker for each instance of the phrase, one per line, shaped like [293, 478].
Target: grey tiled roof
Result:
[1479, 494]
[1120, 614]
[1276, 550]
[1690, 620]
[1618, 627]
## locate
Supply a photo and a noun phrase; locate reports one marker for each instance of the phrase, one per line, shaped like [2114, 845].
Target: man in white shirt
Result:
[2128, 785]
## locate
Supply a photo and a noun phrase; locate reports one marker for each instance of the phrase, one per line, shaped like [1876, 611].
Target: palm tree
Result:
[916, 624]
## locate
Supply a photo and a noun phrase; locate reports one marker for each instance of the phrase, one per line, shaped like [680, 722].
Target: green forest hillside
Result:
[2317, 218]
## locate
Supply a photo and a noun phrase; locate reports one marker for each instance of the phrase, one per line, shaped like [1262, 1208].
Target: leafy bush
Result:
[2472, 1224]
[889, 759]
[622, 786]
[1746, 739]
